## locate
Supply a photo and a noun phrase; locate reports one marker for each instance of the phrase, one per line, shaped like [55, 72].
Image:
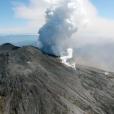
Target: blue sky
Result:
[8, 18]
[105, 8]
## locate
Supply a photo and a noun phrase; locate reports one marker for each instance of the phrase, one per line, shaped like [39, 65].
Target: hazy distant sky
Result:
[27, 16]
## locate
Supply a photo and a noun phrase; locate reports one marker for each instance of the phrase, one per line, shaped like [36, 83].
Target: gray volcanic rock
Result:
[35, 83]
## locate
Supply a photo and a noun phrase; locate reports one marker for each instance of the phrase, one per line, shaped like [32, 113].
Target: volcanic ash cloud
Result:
[62, 20]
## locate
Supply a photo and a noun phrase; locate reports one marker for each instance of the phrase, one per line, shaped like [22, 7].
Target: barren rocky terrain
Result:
[32, 82]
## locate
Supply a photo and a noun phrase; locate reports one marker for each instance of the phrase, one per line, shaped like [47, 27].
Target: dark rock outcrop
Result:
[34, 83]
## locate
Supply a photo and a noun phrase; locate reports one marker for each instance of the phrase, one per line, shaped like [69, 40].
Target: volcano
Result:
[32, 82]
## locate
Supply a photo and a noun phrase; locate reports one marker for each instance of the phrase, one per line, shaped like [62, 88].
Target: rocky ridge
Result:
[32, 82]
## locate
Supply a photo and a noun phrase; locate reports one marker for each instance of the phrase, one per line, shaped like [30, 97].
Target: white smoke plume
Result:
[63, 18]
[67, 57]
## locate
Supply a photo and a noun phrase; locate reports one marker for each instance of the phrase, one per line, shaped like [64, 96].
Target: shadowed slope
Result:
[34, 83]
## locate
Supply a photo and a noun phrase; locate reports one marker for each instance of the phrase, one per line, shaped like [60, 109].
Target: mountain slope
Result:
[35, 83]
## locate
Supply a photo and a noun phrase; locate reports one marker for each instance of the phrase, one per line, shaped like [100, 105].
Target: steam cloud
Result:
[66, 58]
[62, 20]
